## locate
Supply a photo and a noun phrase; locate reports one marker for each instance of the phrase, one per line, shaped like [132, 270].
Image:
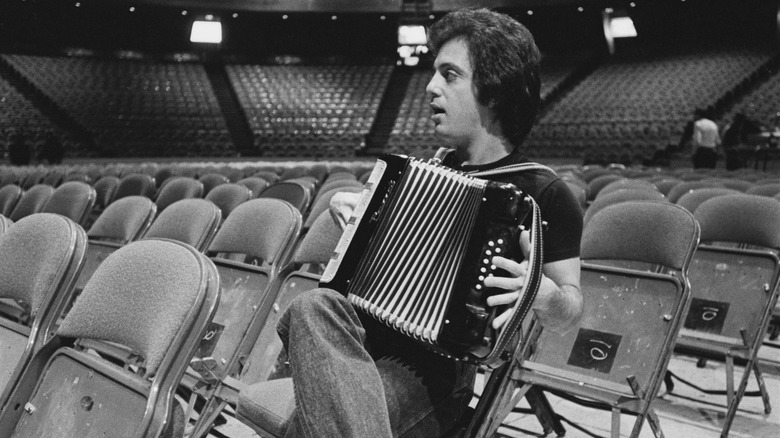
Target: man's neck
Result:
[485, 151]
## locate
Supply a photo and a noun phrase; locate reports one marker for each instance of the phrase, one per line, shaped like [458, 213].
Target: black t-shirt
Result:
[557, 205]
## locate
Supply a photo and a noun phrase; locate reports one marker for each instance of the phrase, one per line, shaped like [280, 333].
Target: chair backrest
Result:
[155, 297]
[315, 249]
[322, 202]
[211, 180]
[664, 185]
[293, 192]
[178, 188]
[33, 178]
[9, 196]
[619, 350]
[627, 184]
[32, 201]
[53, 177]
[764, 190]
[124, 221]
[105, 188]
[261, 228]
[691, 200]
[73, 199]
[652, 232]
[192, 221]
[346, 182]
[619, 196]
[229, 196]
[685, 186]
[255, 184]
[267, 175]
[596, 184]
[135, 184]
[42, 253]
[735, 285]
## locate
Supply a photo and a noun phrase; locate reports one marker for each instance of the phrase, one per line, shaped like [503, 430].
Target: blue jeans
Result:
[354, 377]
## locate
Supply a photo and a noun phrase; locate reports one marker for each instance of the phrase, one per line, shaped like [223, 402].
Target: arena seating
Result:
[135, 108]
[309, 110]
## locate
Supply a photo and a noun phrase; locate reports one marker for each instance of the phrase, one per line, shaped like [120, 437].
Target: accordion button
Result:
[483, 270]
[500, 241]
[498, 250]
[488, 252]
[486, 261]
[491, 243]
[481, 278]
[478, 287]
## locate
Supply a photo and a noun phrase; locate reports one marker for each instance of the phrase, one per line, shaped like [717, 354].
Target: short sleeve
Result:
[562, 213]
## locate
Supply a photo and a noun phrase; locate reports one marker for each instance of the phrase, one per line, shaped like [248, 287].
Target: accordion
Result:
[418, 246]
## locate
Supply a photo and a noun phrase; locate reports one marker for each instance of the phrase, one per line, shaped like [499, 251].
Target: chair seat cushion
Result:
[268, 405]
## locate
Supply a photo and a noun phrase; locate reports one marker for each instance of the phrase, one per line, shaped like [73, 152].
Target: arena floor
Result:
[686, 413]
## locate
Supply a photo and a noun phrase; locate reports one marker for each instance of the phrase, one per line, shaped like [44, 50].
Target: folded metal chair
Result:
[734, 281]
[32, 201]
[74, 200]
[42, 254]
[262, 232]
[155, 297]
[617, 354]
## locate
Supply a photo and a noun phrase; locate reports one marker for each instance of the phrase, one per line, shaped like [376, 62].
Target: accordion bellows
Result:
[418, 247]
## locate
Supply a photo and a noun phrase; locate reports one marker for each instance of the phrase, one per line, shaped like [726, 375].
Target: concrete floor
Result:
[686, 413]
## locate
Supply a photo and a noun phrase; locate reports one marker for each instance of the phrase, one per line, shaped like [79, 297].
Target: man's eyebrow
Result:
[447, 65]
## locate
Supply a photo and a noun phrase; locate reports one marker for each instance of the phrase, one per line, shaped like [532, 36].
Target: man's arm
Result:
[558, 303]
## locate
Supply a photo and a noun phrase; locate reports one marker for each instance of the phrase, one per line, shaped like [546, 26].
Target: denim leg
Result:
[338, 390]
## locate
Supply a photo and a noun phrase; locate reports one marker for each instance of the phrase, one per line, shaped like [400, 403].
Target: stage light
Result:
[412, 35]
[622, 27]
[208, 32]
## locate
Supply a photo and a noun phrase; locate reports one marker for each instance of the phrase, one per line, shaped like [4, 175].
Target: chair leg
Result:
[615, 432]
[544, 412]
[496, 402]
[762, 387]
[736, 398]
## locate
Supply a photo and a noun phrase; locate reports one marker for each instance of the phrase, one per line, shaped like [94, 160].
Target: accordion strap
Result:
[443, 152]
[509, 335]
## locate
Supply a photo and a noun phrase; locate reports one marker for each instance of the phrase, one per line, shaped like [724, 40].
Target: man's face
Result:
[458, 117]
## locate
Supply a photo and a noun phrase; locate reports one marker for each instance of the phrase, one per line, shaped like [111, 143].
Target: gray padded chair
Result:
[229, 196]
[73, 200]
[735, 288]
[691, 200]
[255, 184]
[42, 253]
[9, 196]
[619, 196]
[31, 202]
[615, 318]
[192, 221]
[135, 184]
[178, 188]
[155, 297]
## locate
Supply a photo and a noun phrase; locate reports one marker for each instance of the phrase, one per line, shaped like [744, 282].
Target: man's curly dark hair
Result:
[505, 61]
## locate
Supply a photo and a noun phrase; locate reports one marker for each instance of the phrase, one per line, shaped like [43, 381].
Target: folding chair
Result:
[229, 196]
[33, 178]
[691, 200]
[178, 188]
[684, 187]
[42, 254]
[294, 192]
[263, 232]
[734, 288]
[344, 182]
[619, 350]
[596, 184]
[322, 202]
[155, 297]
[619, 196]
[192, 221]
[135, 184]
[31, 202]
[125, 220]
[105, 188]
[211, 180]
[265, 347]
[9, 196]
[255, 184]
[627, 184]
[73, 200]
